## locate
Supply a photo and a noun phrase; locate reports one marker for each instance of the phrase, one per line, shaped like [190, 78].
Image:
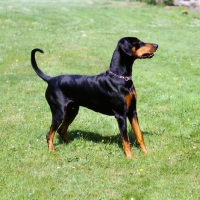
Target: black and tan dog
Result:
[111, 92]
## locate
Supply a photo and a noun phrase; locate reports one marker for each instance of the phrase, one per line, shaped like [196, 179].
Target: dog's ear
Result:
[126, 47]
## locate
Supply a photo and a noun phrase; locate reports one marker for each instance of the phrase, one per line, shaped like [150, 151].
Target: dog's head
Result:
[135, 48]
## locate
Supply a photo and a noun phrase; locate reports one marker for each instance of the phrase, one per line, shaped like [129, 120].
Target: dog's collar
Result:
[126, 78]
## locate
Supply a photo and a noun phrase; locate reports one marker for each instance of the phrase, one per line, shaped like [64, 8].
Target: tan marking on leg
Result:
[127, 148]
[63, 131]
[50, 139]
[70, 115]
[138, 134]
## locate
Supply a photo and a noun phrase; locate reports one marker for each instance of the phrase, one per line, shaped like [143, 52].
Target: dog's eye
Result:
[139, 44]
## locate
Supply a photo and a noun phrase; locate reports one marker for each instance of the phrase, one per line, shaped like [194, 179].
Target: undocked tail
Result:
[35, 67]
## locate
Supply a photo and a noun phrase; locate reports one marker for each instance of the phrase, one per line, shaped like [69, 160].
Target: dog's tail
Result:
[35, 67]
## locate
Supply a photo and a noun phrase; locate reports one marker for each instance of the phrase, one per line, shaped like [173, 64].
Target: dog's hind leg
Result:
[57, 118]
[50, 137]
[71, 110]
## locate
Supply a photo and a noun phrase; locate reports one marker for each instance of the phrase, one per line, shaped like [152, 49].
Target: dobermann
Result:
[111, 92]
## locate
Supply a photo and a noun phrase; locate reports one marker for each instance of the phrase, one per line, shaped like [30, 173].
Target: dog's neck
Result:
[121, 64]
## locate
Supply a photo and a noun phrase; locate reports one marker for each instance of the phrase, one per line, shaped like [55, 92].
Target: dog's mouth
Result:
[147, 55]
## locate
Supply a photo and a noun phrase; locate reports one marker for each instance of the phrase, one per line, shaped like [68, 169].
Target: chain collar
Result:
[126, 78]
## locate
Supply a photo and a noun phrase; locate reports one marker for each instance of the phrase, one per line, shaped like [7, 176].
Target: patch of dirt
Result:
[190, 8]
[195, 9]
[197, 20]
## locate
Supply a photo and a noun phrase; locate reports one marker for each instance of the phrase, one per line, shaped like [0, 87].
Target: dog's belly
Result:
[103, 109]
[98, 102]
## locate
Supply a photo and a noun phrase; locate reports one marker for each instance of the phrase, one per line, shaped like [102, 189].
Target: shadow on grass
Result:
[98, 138]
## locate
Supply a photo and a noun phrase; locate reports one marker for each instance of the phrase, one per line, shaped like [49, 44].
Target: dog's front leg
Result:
[132, 116]
[121, 119]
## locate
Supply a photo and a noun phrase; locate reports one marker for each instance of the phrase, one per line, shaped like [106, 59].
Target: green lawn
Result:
[79, 37]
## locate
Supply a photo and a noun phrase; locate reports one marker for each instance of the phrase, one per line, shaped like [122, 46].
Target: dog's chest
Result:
[130, 98]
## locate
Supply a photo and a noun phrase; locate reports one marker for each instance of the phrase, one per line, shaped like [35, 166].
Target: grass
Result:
[79, 37]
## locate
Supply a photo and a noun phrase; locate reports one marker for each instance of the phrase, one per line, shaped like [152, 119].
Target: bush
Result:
[154, 2]
[168, 2]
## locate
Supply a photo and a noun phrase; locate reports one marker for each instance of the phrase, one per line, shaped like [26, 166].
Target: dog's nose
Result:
[155, 45]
